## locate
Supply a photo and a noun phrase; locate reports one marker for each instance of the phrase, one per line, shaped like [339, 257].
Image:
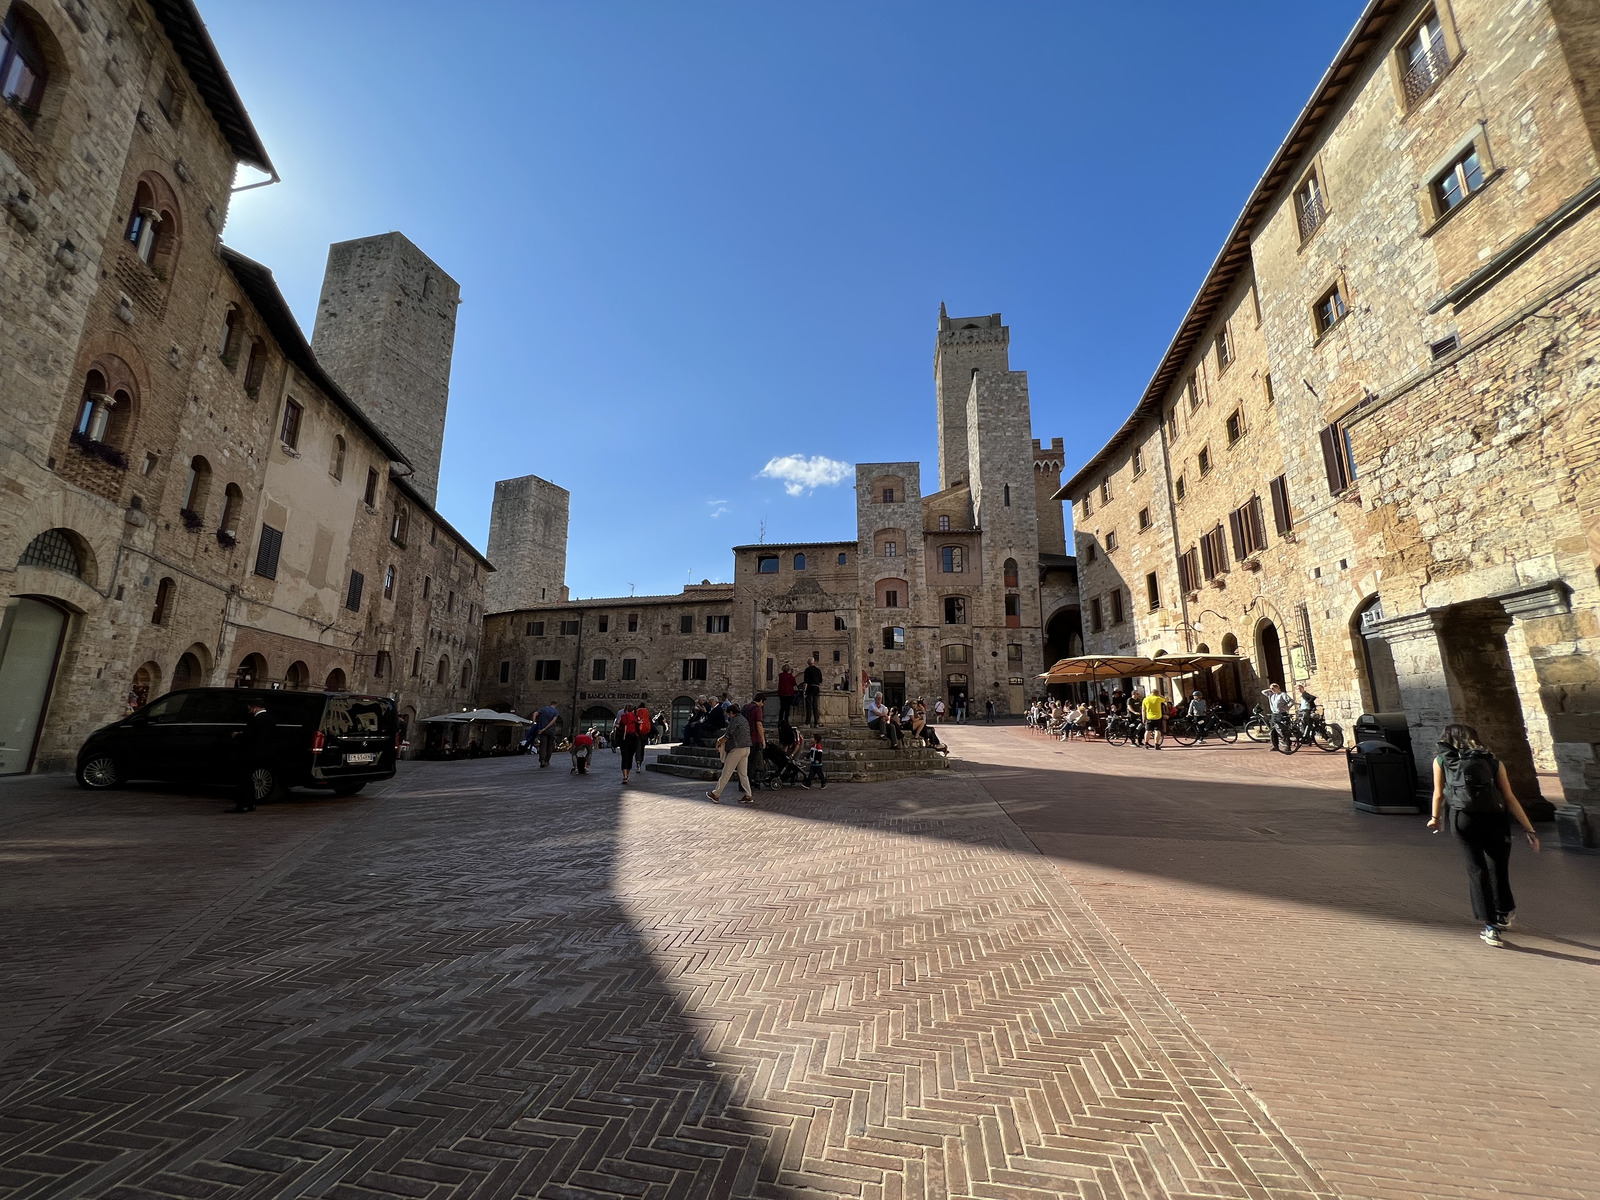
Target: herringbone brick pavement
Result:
[492, 981]
[1330, 958]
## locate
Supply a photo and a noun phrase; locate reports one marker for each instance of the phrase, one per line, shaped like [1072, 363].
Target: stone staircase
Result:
[850, 754]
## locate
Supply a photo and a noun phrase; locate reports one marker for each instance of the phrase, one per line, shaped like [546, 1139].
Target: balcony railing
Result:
[1312, 214]
[1426, 71]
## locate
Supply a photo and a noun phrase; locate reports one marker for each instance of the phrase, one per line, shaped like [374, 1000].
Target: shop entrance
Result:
[31, 633]
[1270, 653]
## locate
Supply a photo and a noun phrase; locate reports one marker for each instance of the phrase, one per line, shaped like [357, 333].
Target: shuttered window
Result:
[267, 552]
[1336, 459]
[1189, 570]
[1282, 516]
[1304, 615]
[352, 599]
[1249, 529]
[1214, 553]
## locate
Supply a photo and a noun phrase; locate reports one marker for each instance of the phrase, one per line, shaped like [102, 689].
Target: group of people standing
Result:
[740, 732]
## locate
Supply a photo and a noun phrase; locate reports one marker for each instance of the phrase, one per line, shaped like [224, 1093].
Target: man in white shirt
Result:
[879, 720]
[1280, 705]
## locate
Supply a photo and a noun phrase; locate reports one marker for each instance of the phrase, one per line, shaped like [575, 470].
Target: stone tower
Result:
[386, 329]
[1047, 462]
[527, 544]
[964, 345]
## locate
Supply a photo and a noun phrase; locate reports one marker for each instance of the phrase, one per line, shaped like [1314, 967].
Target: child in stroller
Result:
[780, 756]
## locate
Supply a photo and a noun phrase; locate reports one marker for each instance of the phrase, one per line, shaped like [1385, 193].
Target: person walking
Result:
[812, 678]
[628, 725]
[1473, 782]
[1280, 707]
[988, 711]
[542, 732]
[642, 716]
[1155, 718]
[814, 757]
[254, 753]
[735, 747]
[938, 710]
[785, 693]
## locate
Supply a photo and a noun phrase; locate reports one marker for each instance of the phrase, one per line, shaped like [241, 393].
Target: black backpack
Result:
[1471, 781]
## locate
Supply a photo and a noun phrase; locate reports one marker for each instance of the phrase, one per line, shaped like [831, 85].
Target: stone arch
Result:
[155, 222]
[1377, 677]
[442, 673]
[466, 675]
[336, 681]
[298, 676]
[252, 672]
[145, 686]
[196, 491]
[882, 539]
[891, 583]
[193, 669]
[1269, 657]
[894, 485]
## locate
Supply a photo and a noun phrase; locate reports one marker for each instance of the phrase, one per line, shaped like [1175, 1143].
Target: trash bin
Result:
[1381, 778]
[1388, 727]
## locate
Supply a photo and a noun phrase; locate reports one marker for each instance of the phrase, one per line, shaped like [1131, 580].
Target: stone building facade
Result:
[948, 594]
[1367, 460]
[163, 520]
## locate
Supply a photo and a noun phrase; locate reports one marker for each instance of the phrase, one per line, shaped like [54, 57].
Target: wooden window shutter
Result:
[1241, 548]
[1183, 573]
[1258, 524]
[1333, 460]
[267, 552]
[1282, 520]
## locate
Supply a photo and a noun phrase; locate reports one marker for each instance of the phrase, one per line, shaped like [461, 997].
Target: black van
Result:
[336, 740]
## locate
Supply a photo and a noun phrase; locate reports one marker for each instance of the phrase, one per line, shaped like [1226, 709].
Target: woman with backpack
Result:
[1482, 804]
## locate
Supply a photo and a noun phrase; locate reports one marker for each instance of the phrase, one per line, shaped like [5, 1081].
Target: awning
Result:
[478, 714]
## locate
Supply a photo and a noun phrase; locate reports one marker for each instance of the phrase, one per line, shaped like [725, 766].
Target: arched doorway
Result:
[190, 671]
[145, 687]
[336, 681]
[1269, 654]
[298, 676]
[1063, 635]
[252, 672]
[682, 711]
[31, 633]
[1380, 683]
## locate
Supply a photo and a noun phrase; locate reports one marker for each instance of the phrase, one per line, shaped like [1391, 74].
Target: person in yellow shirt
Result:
[1155, 718]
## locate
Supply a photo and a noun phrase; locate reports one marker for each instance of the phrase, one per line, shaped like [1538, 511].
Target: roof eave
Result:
[187, 32]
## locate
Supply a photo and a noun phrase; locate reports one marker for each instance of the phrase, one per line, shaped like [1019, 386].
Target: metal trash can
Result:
[1381, 778]
[1388, 727]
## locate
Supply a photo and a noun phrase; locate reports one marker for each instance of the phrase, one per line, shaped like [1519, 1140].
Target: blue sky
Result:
[693, 237]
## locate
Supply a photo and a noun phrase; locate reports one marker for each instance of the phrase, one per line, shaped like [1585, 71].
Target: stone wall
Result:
[527, 542]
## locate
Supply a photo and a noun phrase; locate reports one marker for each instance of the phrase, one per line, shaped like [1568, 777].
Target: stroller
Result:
[772, 768]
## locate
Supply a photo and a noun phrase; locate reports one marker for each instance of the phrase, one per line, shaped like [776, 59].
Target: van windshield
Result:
[352, 716]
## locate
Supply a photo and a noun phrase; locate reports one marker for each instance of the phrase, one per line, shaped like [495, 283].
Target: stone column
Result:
[1426, 689]
[1559, 683]
[763, 623]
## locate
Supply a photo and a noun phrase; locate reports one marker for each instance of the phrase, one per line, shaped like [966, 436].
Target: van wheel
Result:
[348, 789]
[265, 784]
[99, 773]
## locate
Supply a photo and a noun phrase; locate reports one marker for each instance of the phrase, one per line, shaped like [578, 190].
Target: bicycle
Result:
[1121, 729]
[1186, 731]
[1314, 727]
[1258, 725]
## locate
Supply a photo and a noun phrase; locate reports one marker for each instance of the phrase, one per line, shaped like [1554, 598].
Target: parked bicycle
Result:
[1315, 728]
[1186, 731]
[1121, 728]
[1258, 725]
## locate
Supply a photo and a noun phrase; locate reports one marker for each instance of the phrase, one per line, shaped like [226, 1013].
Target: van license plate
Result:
[359, 760]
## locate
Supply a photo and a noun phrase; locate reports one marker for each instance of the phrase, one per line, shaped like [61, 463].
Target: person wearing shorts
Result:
[1154, 707]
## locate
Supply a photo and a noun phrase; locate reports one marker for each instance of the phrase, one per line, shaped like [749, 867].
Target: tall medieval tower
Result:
[386, 330]
[527, 544]
[965, 346]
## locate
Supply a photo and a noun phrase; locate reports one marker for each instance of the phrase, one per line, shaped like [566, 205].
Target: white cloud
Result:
[717, 507]
[800, 474]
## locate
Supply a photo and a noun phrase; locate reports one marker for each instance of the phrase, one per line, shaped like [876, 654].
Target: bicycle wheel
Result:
[1184, 731]
[1257, 729]
[1330, 738]
[1290, 737]
[1226, 730]
[1116, 733]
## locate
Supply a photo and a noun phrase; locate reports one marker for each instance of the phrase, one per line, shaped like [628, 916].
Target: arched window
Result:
[190, 671]
[56, 549]
[23, 70]
[335, 681]
[228, 348]
[380, 665]
[337, 469]
[297, 677]
[444, 669]
[944, 524]
[232, 503]
[466, 674]
[166, 595]
[143, 222]
[799, 562]
[1010, 569]
[146, 680]
[196, 491]
[388, 583]
[94, 411]
[416, 662]
[397, 528]
[1008, 495]
[255, 367]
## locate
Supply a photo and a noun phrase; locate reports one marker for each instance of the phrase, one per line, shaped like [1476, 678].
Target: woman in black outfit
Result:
[1482, 805]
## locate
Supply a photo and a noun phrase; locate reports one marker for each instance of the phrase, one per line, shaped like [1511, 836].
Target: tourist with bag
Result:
[1473, 783]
